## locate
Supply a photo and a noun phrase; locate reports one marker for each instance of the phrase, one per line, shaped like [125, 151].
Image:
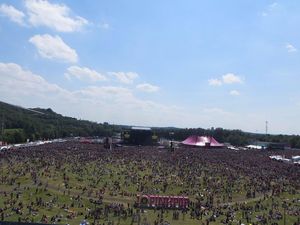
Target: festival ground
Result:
[64, 183]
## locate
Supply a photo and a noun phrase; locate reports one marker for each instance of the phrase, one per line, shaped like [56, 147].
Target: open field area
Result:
[65, 183]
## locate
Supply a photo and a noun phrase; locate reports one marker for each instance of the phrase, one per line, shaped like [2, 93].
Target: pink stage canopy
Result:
[201, 141]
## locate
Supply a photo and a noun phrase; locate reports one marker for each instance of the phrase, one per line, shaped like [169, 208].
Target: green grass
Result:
[107, 174]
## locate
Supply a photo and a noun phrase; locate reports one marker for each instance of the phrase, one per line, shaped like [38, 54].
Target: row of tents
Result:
[294, 160]
[208, 141]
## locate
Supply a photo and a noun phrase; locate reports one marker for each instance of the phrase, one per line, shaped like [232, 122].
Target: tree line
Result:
[19, 125]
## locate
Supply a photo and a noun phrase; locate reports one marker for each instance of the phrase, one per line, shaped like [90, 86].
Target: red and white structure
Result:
[202, 141]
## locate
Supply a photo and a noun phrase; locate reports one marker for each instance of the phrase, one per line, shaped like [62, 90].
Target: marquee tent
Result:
[201, 141]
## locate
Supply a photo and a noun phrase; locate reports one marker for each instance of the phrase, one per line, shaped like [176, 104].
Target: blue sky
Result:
[231, 64]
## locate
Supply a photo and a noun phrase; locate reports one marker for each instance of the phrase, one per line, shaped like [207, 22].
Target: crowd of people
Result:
[69, 182]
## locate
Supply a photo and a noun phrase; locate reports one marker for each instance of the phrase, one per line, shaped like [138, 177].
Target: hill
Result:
[19, 124]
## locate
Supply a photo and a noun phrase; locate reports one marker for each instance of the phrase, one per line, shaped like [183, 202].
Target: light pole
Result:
[2, 129]
[172, 141]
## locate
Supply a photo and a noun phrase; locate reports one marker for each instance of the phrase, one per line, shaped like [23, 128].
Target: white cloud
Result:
[119, 105]
[214, 82]
[216, 111]
[230, 78]
[55, 16]
[290, 48]
[23, 82]
[147, 87]
[105, 93]
[53, 47]
[12, 13]
[271, 7]
[107, 103]
[104, 26]
[234, 93]
[125, 77]
[84, 73]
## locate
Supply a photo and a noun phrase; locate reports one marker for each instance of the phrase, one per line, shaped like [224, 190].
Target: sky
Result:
[231, 64]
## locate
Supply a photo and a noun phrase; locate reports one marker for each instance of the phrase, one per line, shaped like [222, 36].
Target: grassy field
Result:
[60, 182]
